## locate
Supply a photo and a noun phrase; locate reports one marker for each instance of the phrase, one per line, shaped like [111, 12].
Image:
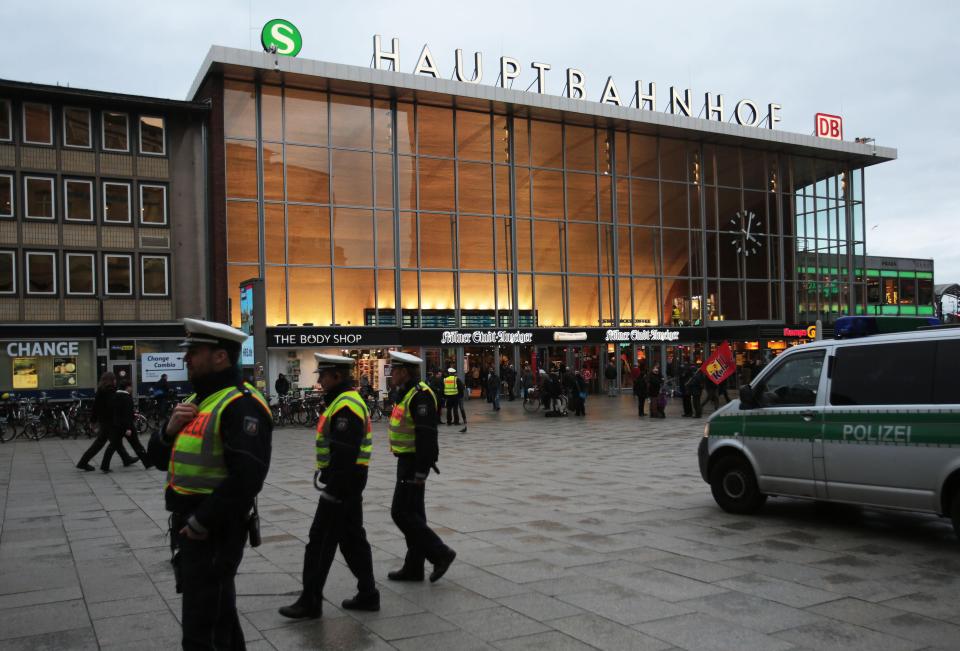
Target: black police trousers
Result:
[455, 410]
[336, 525]
[409, 514]
[205, 572]
[115, 439]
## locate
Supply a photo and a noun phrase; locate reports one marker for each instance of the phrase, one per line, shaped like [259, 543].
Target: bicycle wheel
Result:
[531, 403]
[140, 424]
[8, 432]
[35, 430]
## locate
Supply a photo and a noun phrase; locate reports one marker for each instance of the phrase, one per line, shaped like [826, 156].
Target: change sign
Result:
[153, 365]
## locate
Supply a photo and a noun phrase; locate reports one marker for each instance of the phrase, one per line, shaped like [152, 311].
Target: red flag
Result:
[721, 364]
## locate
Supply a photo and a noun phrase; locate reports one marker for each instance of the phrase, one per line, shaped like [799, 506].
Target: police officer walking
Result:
[216, 450]
[344, 444]
[452, 390]
[413, 440]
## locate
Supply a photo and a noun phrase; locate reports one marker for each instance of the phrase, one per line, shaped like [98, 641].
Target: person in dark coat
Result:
[106, 433]
[580, 394]
[640, 391]
[610, 375]
[282, 385]
[493, 389]
[654, 383]
[694, 388]
[436, 385]
[686, 373]
[123, 422]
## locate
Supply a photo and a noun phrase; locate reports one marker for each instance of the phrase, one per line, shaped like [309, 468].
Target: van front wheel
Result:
[955, 512]
[734, 486]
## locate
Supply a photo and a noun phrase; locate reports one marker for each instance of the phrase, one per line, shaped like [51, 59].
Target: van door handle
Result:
[808, 416]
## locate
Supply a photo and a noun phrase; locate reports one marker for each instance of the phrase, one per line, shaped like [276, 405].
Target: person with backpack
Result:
[640, 390]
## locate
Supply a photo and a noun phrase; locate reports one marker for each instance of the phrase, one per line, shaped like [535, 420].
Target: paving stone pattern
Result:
[593, 533]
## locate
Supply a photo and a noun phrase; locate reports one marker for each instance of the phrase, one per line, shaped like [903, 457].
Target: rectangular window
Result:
[884, 374]
[153, 275]
[37, 124]
[794, 382]
[117, 271]
[38, 197]
[6, 121]
[81, 274]
[6, 195]
[78, 206]
[76, 128]
[115, 136]
[8, 272]
[41, 273]
[116, 203]
[153, 204]
[152, 131]
[946, 389]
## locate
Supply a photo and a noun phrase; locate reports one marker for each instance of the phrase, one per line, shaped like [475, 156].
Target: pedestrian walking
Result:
[510, 379]
[610, 375]
[282, 385]
[525, 381]
[343, 448]
[413, 440]
[123, 422]
[216, 451]
[437, 386]
[107, 434]
[640, 391]
[686, 373]
[654, 385]
[493, 388]
[580, 387]
[453, 390]
[695, 389]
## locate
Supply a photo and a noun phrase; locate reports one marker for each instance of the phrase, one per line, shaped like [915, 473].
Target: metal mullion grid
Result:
[455, 244]
[659, 249]
[596, 222]
[416, 172]
[261, 223]
[373, 213]
[704, 273]
[615, 226]
[630, 227]
[330, 277]
[512, 181]
[565, 269]
[395, 174]
[778, 199]
[286, 220]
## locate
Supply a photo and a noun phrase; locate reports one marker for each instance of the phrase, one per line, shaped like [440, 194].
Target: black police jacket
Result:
[343, 477]
[423, 410]
[247, 433]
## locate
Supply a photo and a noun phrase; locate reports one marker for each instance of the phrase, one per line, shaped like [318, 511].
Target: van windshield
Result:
[794, 382]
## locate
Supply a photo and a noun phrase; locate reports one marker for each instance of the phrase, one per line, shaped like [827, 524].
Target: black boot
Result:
[300, 610]
[406, 574]
[440, 568]
[369, 601]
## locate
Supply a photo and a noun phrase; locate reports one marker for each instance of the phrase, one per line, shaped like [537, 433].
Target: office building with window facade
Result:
[476, 224]
[102, 227]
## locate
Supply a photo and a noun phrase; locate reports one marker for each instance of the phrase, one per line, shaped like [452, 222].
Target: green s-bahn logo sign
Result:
[282, 37]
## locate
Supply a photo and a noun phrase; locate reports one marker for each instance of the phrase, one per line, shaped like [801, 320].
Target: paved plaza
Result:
[571, 534]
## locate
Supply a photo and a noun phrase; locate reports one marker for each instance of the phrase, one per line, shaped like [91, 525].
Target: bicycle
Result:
[533, 399]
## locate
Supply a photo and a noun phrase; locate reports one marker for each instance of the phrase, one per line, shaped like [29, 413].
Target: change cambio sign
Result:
[153, 365]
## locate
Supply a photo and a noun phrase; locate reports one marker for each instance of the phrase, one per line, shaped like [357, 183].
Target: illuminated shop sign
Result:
[807, 333]
[42, 348]
[646, 334]
[715, 106]
[486, 337]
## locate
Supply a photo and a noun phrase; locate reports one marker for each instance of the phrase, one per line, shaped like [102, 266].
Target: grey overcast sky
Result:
[889, 68]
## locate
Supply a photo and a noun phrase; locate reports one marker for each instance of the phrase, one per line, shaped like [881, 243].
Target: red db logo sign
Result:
[829, 126]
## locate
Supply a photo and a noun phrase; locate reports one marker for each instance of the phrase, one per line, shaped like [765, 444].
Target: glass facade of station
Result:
[360, 211]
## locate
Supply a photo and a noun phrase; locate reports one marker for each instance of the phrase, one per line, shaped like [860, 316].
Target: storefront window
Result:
[352, 237]
[908, 291]
[115, 131]
[152, 135]
[353, 294]
[435, 131]
[239, 109]
[350, 122]
[55, 366]
[309, 291]
[308, 174]
[308, 235]
[37, 124]
[76, 127]
[352, 178]
[306, 116]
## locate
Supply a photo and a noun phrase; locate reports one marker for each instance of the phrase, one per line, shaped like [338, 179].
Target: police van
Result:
[873, 421]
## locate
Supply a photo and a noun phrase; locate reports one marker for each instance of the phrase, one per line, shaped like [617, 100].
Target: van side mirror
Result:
[748, 399]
